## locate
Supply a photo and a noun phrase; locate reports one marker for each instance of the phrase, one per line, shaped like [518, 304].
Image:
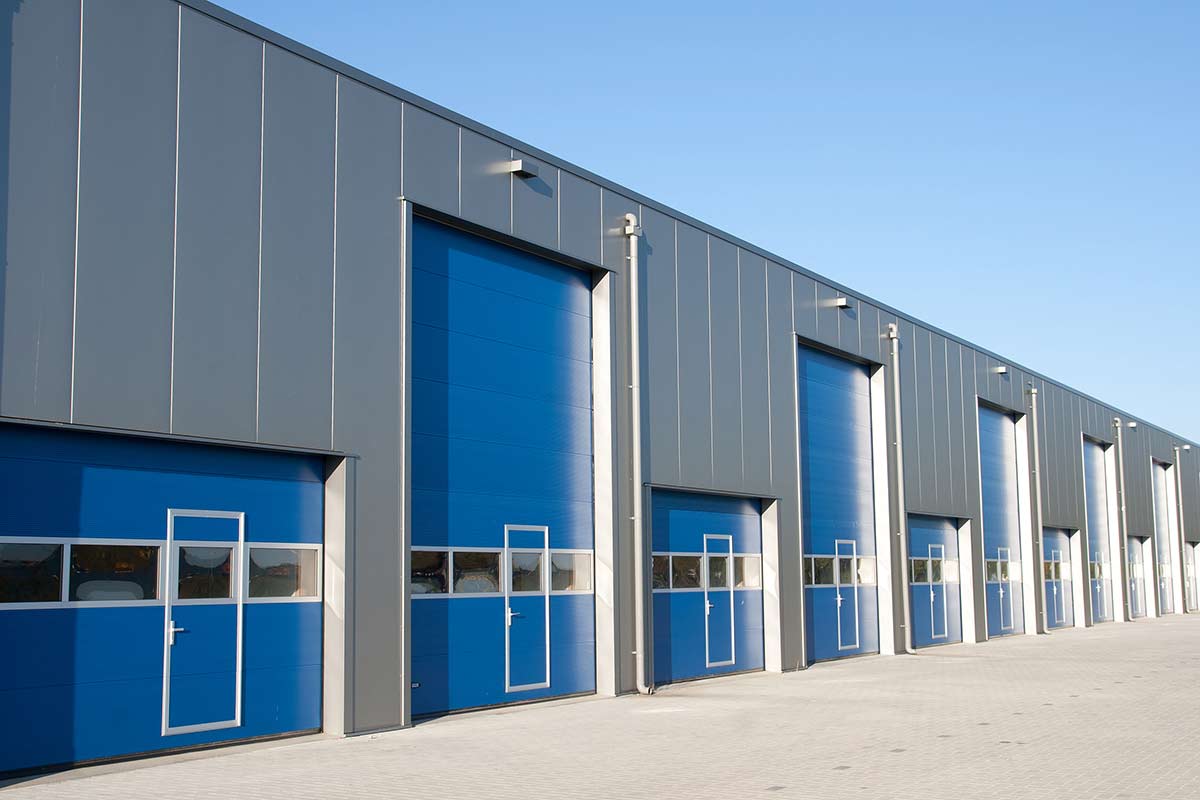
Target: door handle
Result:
[174, 630]
[512, 614]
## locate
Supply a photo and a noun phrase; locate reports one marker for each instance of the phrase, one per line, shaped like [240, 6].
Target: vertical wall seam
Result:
[337, 125]
[712, 433]
[741, 392]
[75, 269]
[678, 400]
[459, 168]
[175, 224]
[770, 385]
[262, 147]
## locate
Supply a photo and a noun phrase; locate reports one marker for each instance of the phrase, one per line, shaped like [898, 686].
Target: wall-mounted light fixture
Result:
[1131, 425]
[841, 302]
[1001, 370]
[523, 168]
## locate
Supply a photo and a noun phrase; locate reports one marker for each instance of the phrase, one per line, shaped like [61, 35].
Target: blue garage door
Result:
[502, 605]
[1096, 494]
[1162, 540]
[154, 595]
[1056, 576]
[1001, 522]
[933, 577]
[837, 506]
[707, 578]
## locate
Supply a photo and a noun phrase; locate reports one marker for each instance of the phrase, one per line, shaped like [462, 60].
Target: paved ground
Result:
[1113, 712]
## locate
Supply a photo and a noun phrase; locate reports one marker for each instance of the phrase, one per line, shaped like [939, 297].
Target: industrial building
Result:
[325, 408]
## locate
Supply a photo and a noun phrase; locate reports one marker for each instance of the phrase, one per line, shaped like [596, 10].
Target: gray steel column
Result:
[404, 490]
[1122, 519]
[1181, 539]
[337, 675]
[902, 621]
[1035, 494]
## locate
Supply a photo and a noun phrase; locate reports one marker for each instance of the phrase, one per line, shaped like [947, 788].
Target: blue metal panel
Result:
[1001, 525]
[501, 436]
[1056, 558]
[935, 602]
[690, 640]
[837, 500]
[88, 681]
[1096, 495]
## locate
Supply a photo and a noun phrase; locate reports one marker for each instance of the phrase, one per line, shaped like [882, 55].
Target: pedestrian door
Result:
[1190, 596]
[718, 600]
[1137, 598]
[846, 583]
[1004, 579]
[938, 623]
[527, 608]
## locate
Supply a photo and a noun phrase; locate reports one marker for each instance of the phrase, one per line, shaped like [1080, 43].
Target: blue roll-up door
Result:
[1001, 522]
[1057, 578]
[1095, 484]
[154, 596]
[707, 585]
[1162, 539]
[934, 597]
[837, 506]
[502, 606]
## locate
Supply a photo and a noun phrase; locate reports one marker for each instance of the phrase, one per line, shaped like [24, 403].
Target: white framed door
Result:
[203, 621]
[938, 620]
[719, 639]
[845, 576]
[1004, 566]
[526, 608]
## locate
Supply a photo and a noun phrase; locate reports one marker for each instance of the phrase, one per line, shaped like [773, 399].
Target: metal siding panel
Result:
[804, 303]
[756, 398]
[367, 365]
[870, 332]
[579, 217]
[725, 333]
[660, 371]
[296, 306]
[216, 253]
[535, 204]
[827, 315]
[941, 431]
[486, 189]
[126, 208]
[926, 420]
[955, 431]
[695, 379]
[914, 481]
[849, 335]
[39, 227]
[614, 244]
[430, 153]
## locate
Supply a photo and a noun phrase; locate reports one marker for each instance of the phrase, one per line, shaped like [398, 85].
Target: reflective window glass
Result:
[571, 572]
[1048, 570]
[103, 572]
[685, 572]
[845, 570]
[526, 572]
[935, 570]
[866, 570]
[284, 572]
[920, 570]
[808, 571]
[1004, 567]
[718, 572]
[950, 570]
[993, 570]
[747, 572]
[30, 573]
[822, 571]
[476, 573]
[203, 573]
[662, 572]
[430, 572]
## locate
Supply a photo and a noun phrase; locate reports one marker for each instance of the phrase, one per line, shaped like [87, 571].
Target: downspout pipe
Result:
[896, 488]
[1035, 492]
[1123, 519]
[633, 231]
[1182, 544]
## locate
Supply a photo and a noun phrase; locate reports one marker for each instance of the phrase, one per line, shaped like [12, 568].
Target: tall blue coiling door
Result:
[934, 597]
[1057, 578]
[153, 595]
[1163, 545]
[501, 570]
[1095, 485]
[1001, 522]
[707, 583]
[837, 506]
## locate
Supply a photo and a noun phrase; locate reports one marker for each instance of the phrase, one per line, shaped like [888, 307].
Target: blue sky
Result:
[1025, 175]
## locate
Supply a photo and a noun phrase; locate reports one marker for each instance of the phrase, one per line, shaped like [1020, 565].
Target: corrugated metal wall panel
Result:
[827, 316]
[430, 167]
[39, 224]
[725, 346]
[296, 296]
[535, 204]
[755, 381]
[126, 216]
[870, 333]
[695, 379]
[957, 505]
[660, 364]
[216, 250]
[486, 190]
[579, 210]
[914, 483]
[804, 303]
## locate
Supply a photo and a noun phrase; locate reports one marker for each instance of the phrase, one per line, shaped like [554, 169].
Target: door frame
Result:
[1004, 557]
[837, 584]
[708, 662]
[169, 598]
[544, 578]
[933, 634]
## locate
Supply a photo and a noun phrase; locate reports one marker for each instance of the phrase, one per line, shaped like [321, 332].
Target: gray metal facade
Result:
[203, 239]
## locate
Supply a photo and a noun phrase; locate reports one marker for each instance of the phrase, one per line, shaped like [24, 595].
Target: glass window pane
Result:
[476, 573]
[113, 572]
[30, 573]
[822, 571]
[935, 570]
[284, 572]
[718, 572]
[747, 572]
[430, 572]
[808, 571]
[993, 570]
[950, 570]
[570, 572]
[662, 572]
[866, 570]
[1004, 565]
[685, 572]
[920, 570]
[203, 573]
[526, 572]
[1048, 570]
[845, 570]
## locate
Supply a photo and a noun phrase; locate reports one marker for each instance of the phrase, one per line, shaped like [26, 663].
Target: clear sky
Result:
[1024, 175]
